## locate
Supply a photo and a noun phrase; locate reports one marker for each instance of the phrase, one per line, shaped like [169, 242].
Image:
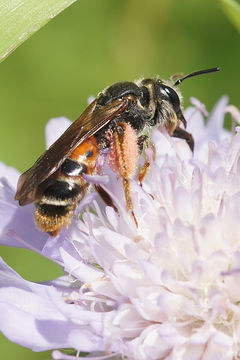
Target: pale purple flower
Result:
[169, 289]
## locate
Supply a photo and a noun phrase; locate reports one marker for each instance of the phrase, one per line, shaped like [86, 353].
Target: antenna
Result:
[196, 73]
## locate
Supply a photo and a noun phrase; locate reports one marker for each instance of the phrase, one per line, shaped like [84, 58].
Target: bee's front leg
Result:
[183, 134]
[145, 142]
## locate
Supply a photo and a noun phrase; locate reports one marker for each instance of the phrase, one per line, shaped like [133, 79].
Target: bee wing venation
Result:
[88, 123]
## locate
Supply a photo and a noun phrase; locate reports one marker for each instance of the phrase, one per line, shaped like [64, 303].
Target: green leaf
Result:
[19, 19]
[232, 10]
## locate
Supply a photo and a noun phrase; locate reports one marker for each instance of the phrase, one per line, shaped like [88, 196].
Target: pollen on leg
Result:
[113, 156]
[131, 151]
[124, 151]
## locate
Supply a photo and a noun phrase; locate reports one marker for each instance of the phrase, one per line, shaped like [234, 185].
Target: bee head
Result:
[165, 98]
[166, 93]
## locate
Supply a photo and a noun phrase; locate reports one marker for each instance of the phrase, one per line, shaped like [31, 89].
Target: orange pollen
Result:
[124, 162]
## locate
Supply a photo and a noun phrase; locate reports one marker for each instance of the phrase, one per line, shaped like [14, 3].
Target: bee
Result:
[118, 121]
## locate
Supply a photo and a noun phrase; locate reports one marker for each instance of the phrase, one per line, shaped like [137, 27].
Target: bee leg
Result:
[183, 134]
[145, 141]
[129, 205]
[125, 143]
[105, 197]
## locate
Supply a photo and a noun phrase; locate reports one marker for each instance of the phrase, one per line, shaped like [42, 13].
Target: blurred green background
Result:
[89, 46]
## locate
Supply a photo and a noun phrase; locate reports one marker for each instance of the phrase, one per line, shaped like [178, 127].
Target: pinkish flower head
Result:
[168, 289]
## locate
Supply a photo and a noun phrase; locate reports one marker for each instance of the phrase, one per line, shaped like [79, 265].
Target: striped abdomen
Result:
[59, 194]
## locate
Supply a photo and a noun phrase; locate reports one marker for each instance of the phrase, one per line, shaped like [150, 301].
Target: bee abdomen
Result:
[51, 210]
[72, 168]
[60, 193]
[57, 204]
[62, 190]
[51, 218]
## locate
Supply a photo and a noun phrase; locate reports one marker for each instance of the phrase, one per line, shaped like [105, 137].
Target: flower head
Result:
[168, 289]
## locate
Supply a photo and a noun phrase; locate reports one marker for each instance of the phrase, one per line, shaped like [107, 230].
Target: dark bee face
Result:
[164, 102]
[167, 93]
[160, 92]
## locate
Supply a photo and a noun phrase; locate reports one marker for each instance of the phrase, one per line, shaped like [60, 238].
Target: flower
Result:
[168, 289]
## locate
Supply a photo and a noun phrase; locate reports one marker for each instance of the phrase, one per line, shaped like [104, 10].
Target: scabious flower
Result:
[169, 289]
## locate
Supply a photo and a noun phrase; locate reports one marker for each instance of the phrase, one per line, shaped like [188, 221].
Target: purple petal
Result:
[86, 201]
[17, 227]
[10, 173]
[195, 121]
[36, 316]
[216, 119]
[80, 270]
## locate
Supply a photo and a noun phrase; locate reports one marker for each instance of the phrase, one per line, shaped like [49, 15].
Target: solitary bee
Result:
[117, 120]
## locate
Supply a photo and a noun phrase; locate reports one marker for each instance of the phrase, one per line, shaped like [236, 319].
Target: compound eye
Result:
[172, 96]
